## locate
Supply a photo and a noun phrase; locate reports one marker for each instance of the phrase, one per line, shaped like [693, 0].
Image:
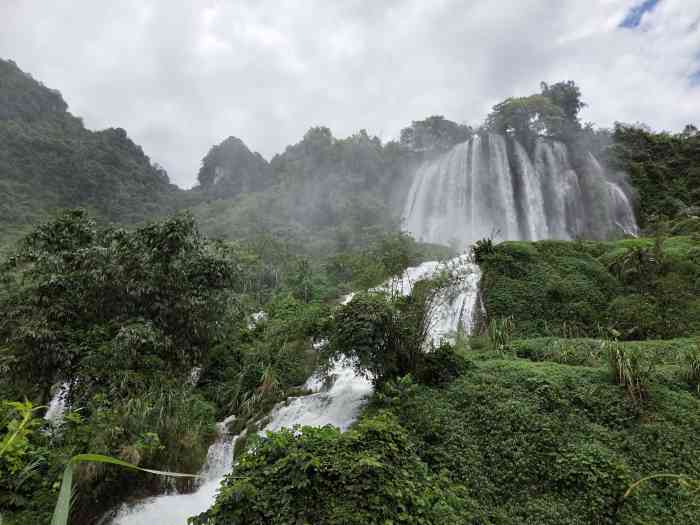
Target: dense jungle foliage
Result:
[151, 333]
[663, 167]
[538, 430]
[640, 288]
[511, 440]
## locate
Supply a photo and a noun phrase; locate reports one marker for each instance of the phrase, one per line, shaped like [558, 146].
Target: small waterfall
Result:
[490, 186]
[174, 509]
[620, 210]
[456, 307]
[338, 404]
[57, 405]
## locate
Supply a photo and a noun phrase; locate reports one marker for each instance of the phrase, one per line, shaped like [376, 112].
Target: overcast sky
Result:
[181, 75]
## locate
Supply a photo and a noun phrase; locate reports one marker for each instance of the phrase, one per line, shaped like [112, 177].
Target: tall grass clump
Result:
[630, 368]
[500, 332]
[691, 367]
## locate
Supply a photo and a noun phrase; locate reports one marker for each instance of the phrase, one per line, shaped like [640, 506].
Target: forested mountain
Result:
[49, 160]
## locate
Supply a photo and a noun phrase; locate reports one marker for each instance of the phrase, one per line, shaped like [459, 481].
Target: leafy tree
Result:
[434, 133]
[386, 335]
[551, 113]
[566, 95]
[662, 167]
[137, 299]
[370, 474]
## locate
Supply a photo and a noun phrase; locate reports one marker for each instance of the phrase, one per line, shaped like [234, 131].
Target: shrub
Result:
[500, 332]
[482, 249]
[370, 474]
[441, 366]
[691, 367]
[645, 288]
[631, 369]
[635, 316]
[386, 336]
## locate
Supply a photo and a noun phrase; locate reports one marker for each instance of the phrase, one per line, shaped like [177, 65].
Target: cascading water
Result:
[618, 210]
[490, 186]
[337, 404]
[57, 405]
[174, 509]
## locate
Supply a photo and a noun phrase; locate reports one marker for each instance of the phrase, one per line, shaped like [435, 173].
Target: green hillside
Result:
[49, 160]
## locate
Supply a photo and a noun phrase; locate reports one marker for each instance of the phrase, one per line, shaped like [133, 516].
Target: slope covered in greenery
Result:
[48, 160]
[510, 441]
[641, 288]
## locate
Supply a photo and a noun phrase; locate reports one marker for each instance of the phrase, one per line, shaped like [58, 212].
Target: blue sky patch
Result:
[695, 78]
[634, 15]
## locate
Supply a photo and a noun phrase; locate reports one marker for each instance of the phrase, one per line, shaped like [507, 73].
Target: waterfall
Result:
[490, 186]
[618, 209]
[337, 404]
[503, 209]
[57, 405]
[536, 219]
[174, 509]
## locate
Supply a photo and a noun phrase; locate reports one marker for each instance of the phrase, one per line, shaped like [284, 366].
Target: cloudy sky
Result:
[181, 75]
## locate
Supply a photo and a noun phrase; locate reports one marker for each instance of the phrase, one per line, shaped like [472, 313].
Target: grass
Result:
[500, 334]
[691, 367]
[631, 369]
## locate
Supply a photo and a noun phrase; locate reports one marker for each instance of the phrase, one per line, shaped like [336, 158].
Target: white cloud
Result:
[181, 76]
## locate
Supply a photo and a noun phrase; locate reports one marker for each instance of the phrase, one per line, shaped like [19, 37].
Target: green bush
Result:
[642, 288]
[551, 443]
[386, 336]
[691, 367]
[441, 366]
[500, 332]
[630, 369]
[370, 474]
[636, 316]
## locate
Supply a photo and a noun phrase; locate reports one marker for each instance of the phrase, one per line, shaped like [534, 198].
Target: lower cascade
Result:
[57, 405]
[491, 186]
[338, 404]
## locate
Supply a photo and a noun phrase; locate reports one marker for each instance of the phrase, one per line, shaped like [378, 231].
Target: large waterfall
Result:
[336, 404]
[490, 186]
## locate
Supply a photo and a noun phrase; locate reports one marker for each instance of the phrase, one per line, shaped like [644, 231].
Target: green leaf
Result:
[62, 510]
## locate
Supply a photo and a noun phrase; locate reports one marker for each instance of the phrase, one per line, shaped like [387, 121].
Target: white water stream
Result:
[57, 405]
[338, 404]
